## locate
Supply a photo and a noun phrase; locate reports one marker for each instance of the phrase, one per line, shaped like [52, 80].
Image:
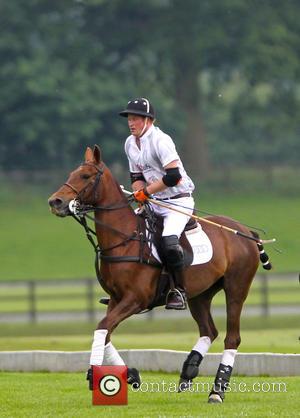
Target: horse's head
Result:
[81, 184]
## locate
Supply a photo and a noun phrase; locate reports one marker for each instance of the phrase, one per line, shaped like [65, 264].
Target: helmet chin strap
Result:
[144, 128]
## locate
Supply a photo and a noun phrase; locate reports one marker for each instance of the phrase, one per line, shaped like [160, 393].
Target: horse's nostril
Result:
[55, 203]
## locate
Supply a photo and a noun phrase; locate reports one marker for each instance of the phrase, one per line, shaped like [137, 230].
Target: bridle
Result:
[94, 183]
[82, 209]
[81, 214]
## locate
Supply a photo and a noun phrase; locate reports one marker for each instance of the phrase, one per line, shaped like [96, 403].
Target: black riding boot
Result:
[173, 252]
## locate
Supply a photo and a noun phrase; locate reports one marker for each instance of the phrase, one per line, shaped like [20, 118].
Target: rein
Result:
[164, 204]
[137, 235]
[80, 212]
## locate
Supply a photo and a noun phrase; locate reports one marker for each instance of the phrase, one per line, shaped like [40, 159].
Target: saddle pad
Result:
[200, 243]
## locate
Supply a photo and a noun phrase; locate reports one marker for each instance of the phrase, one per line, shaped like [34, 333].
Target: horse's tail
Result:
[264, 258]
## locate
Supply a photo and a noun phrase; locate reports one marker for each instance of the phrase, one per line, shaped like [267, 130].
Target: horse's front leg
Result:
[113, 358]
[102, 348]
[111, 355]
[122, 310]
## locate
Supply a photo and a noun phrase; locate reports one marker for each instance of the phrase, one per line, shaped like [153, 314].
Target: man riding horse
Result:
[128, 276]
[156, 169]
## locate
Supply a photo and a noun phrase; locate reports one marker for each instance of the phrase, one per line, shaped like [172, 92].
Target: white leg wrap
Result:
[98, 347]
[112, 357]
[202, 345]
[228, 357]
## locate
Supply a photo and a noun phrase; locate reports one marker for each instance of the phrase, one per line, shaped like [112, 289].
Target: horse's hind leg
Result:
[236, 293]
[200, 310]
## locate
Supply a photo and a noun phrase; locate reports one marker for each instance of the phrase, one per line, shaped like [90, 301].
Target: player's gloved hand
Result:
[141, 195]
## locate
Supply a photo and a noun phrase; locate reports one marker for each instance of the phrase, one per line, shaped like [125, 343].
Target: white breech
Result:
[175, 222]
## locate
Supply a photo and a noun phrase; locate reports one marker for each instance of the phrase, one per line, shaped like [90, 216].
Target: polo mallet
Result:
[200, 218]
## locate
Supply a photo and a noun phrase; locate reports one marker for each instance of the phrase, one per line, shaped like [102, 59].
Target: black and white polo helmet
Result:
[140, 106]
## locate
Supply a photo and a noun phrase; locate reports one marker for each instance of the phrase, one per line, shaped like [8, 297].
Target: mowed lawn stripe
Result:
[66, 395]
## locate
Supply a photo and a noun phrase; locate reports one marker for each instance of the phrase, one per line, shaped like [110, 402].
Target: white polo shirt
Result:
[157, 150]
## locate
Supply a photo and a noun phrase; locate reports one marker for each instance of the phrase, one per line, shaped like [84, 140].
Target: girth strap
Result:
[125, 259]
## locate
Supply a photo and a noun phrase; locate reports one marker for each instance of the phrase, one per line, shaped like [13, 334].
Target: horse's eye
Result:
[85, 176]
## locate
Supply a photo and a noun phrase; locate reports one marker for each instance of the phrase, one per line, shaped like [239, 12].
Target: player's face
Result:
[136, 124]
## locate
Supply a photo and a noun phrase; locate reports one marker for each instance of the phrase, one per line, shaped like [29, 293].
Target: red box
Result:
[110, 385]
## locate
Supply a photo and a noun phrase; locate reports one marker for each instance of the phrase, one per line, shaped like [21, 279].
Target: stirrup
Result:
[179, 303]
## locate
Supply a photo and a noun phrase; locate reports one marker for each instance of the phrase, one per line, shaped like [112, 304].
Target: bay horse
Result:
[132, 280]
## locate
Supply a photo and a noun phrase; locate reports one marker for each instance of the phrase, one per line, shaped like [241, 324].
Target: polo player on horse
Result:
[156, 169]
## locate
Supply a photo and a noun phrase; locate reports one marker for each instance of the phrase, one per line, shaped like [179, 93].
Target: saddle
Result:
[154, 228]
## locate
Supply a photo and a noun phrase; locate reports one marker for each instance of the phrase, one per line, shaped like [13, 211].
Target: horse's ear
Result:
[89, 156]
[97, 154]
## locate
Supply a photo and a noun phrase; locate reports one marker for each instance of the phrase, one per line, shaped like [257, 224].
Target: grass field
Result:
[252, 341]
[37, 245]
[42, 395]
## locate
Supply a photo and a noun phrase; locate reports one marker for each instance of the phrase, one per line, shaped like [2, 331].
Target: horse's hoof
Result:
[184, 385]
[133, 378]
[89, 377]
[215, 398]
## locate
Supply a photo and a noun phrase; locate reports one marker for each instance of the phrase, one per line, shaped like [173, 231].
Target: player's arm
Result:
[170, 179]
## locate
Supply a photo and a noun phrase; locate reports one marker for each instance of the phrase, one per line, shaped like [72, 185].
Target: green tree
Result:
[222, 76]
[52, 97]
